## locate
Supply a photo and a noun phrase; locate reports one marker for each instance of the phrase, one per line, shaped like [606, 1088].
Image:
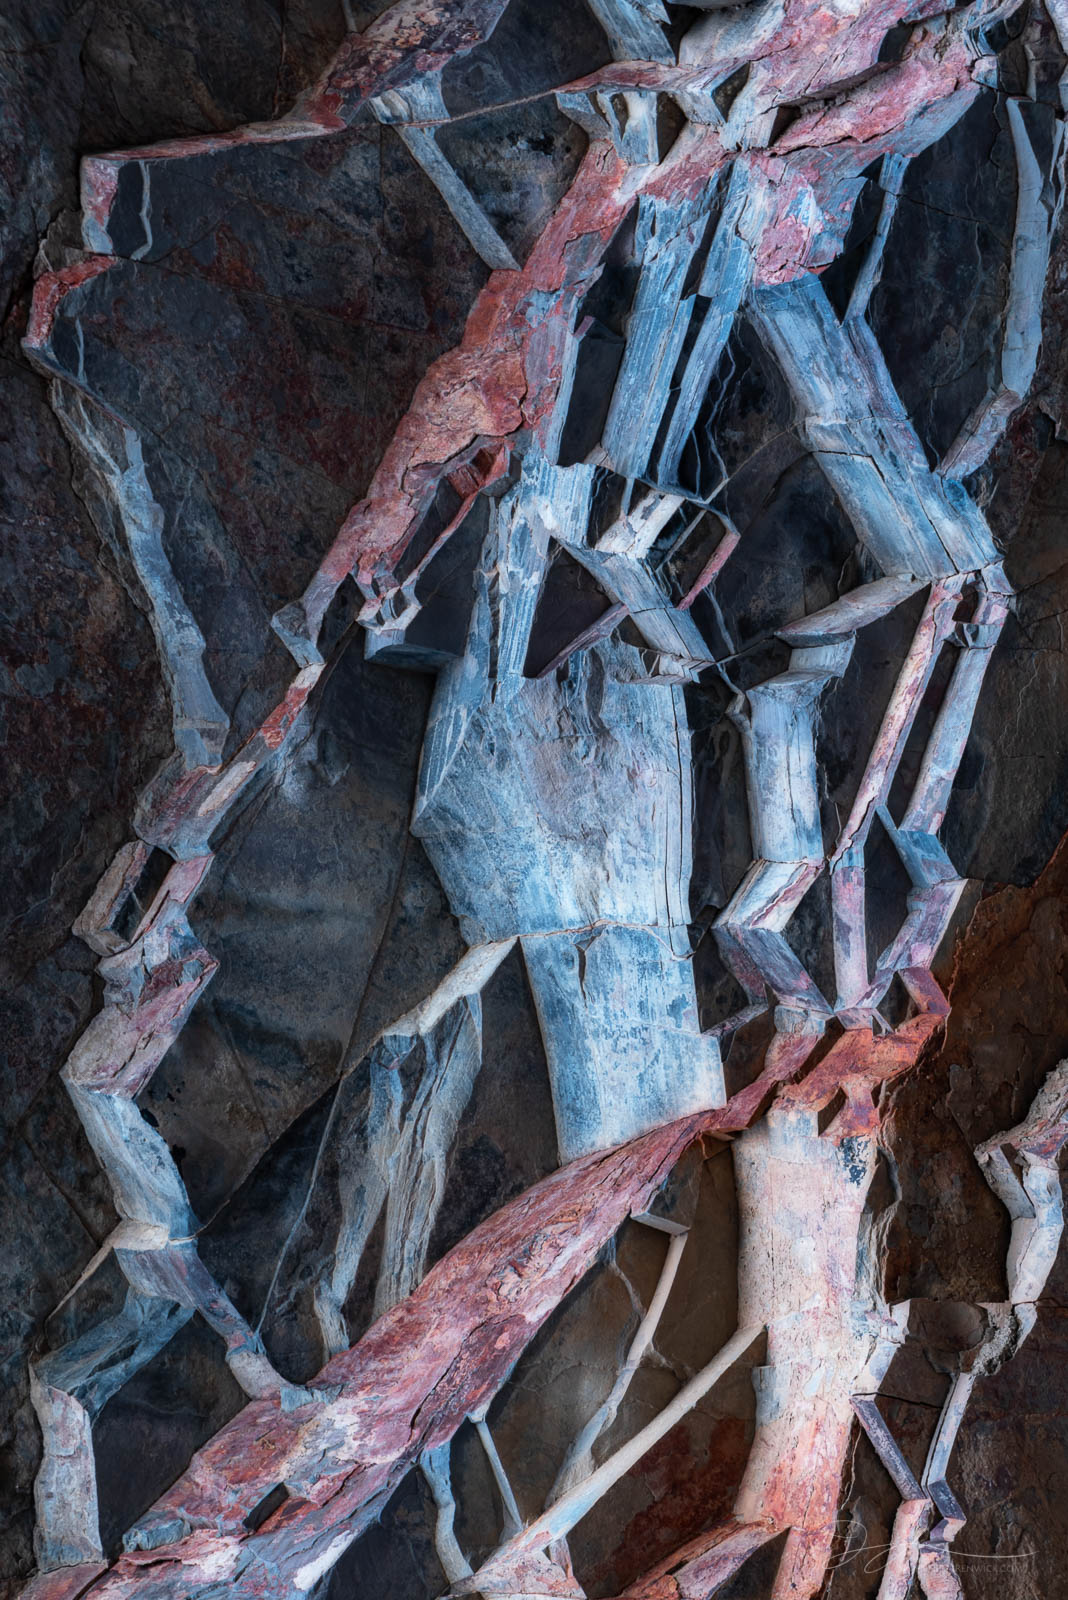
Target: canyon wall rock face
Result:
[534, 1031]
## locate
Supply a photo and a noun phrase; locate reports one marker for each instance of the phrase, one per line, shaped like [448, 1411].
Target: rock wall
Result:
[535, 726]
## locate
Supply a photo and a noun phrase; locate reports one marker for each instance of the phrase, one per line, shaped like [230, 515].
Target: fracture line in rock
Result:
[435, 1469]
[421, 100]
[633, 28]
[409, 1140]
[912, 520]
[1036, 220]
[669, 239]
[402, 1390]
[153, 983]
[705, 1566]
[183, 818]
[199, 723]
[890, 176]
[512, 1520]
[723, 285]
[596, 631]
[560, 1517]
[578, 1462]
[1032, 1197]
[815, 352]
[397, 1160]
[69, 1388]
[154, 975]
[945, 749]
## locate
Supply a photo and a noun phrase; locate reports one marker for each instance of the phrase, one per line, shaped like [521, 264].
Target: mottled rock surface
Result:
[536, 761]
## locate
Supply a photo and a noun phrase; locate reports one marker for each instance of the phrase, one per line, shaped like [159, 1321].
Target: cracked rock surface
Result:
[535, 1059]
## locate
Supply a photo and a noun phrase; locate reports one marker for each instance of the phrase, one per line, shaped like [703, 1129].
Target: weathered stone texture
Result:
[533, 669]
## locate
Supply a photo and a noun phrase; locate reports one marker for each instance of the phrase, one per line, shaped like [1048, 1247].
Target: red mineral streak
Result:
[854, 1066]
[533, 1573]
[443, 1353]
[800, 1491]
[410, 39]
[447, 1349]
[501, 376]
[127, 1039]
[814, 169]
[506, 370]
[715, 562]
[99, 183]
[64, 1583]
[696, 1568]
[281, 720]
[406, 1386]
[51, 289]
[938, 1577]
[882, 106]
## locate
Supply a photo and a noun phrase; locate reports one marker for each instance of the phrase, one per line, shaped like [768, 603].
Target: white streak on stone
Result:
[578, 1463]
[200, 723]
